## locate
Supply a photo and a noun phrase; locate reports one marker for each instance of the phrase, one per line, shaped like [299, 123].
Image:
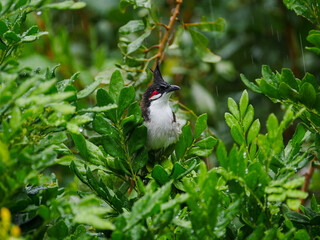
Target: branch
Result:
[308, 176]
[169, 27]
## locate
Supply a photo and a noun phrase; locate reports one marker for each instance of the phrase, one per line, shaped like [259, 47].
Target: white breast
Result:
[162, 130]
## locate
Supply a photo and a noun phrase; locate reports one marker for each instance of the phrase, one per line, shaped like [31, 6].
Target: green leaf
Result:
[293, 204]
[307, 94]
[66, 5]
[268, 89]
[201, 152]
[272, 126]
[243, 104]
[132, 26]
[222, 155]
[89, 89]
[44, 212]
[104, 127]
[234, 161]
[59, 230]
[277, 197]
[206, 143]
[200, 43]
[90, 212]
[231, 120]
[140, 159]
[253, 87]
[127, 95]
[237, 135]
[206, 26]
[116, 84]
[136, 3]
[296, 194]
[185, 140]
[288, 77]
[3, 27]
[314, 204]
[268, 75]
[137, 139]
[81, 145]
[301, 234]
[112, 146]
[314, 37]
[287, 92]
[103, 98]
[11, 37]
[160, 175]
[99, 109]
[310, 79]
[187, 134]
[297, 217]
[299, 134]
[33, 37]
[294, 183]
[148, 205]
[253, 131]
[179, 171]
[233, 108]
[133, 46]
[201, 125]
[248, 118]
[15, 121]
[77, 172]
[301, 8]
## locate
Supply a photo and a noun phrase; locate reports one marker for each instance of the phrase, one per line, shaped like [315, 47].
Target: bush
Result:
[119, 192]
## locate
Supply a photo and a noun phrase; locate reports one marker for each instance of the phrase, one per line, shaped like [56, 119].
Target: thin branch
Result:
[150, 48]
[308, 177]
[163, 25]
[169, 28]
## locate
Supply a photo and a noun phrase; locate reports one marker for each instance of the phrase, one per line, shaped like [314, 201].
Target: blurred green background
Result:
[256, 33]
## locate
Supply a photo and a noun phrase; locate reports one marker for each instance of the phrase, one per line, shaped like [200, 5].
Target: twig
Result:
[150, 48]
[165, 38]
[307, 176]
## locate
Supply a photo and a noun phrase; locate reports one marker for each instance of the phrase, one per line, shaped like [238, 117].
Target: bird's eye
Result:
[154, 93]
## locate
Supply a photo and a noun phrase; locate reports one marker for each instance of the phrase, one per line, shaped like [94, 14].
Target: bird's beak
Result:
[173, 88]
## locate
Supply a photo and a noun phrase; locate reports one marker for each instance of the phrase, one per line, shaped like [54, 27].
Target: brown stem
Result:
[152, 47]
[308, 176]
[169, 28]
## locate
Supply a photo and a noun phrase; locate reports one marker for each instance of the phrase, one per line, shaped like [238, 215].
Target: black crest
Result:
[157, 77]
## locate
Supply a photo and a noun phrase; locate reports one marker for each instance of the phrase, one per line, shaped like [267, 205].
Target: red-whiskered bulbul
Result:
[163, 128]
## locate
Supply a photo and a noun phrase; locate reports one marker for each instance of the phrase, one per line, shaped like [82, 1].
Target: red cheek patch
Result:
[154, 93]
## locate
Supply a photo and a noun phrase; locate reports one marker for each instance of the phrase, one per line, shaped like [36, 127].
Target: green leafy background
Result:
[73, 156]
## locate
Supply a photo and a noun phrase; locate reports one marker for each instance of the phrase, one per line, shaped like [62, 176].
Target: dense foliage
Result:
[73, 156]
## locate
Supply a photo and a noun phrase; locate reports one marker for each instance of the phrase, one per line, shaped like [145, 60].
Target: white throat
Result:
[162, 129]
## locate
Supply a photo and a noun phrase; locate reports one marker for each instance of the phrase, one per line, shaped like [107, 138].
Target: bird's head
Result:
[158, 92]
[160, 89]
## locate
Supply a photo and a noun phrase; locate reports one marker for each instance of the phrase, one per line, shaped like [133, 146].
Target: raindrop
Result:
[304, 63]
[9, 116]
[81, 129]
[259, 185]
[244, 155]
[216, 228]
[247, 170]
[39, 13]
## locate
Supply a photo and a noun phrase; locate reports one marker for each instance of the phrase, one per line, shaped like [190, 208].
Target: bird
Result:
[162, 127]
